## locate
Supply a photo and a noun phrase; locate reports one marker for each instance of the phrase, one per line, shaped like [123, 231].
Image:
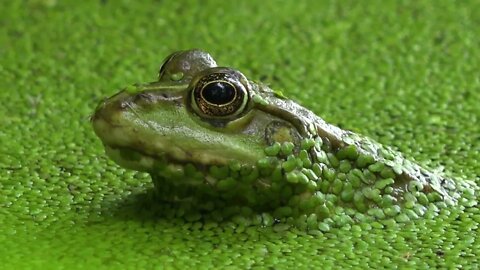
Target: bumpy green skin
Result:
[403, 72]
[275, 164]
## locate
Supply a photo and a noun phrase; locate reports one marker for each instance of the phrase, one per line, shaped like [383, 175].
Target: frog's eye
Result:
[220, 94]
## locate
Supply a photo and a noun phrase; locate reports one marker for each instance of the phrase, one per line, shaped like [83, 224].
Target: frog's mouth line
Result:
[124, 145]
[139, 160]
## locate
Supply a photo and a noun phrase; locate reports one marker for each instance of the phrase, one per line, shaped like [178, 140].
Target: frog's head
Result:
[195, 113]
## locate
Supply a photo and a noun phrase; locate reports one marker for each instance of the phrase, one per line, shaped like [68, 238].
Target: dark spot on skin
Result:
[143, 97]
[440, 253]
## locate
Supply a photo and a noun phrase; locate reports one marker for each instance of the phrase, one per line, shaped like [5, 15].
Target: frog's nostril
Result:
[123, 105]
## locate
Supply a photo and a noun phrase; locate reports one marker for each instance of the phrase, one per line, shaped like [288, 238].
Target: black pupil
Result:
[218, 93]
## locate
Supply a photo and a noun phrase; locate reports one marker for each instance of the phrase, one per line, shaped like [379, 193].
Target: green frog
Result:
[216, 142]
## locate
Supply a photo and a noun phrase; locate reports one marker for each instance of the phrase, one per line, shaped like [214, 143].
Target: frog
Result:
[219, 144]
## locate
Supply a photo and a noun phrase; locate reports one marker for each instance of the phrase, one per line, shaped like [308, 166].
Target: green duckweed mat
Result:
[402, 72]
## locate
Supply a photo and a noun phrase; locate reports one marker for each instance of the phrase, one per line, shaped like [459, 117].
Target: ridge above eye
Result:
[182, 66]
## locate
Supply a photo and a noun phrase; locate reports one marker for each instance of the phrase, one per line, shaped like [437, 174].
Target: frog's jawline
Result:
[138, 160]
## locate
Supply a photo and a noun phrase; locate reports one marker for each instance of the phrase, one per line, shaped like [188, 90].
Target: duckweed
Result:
[403, 73]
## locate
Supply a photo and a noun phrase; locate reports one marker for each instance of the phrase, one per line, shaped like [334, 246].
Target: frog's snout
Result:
[109, 115]
[110, 106]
